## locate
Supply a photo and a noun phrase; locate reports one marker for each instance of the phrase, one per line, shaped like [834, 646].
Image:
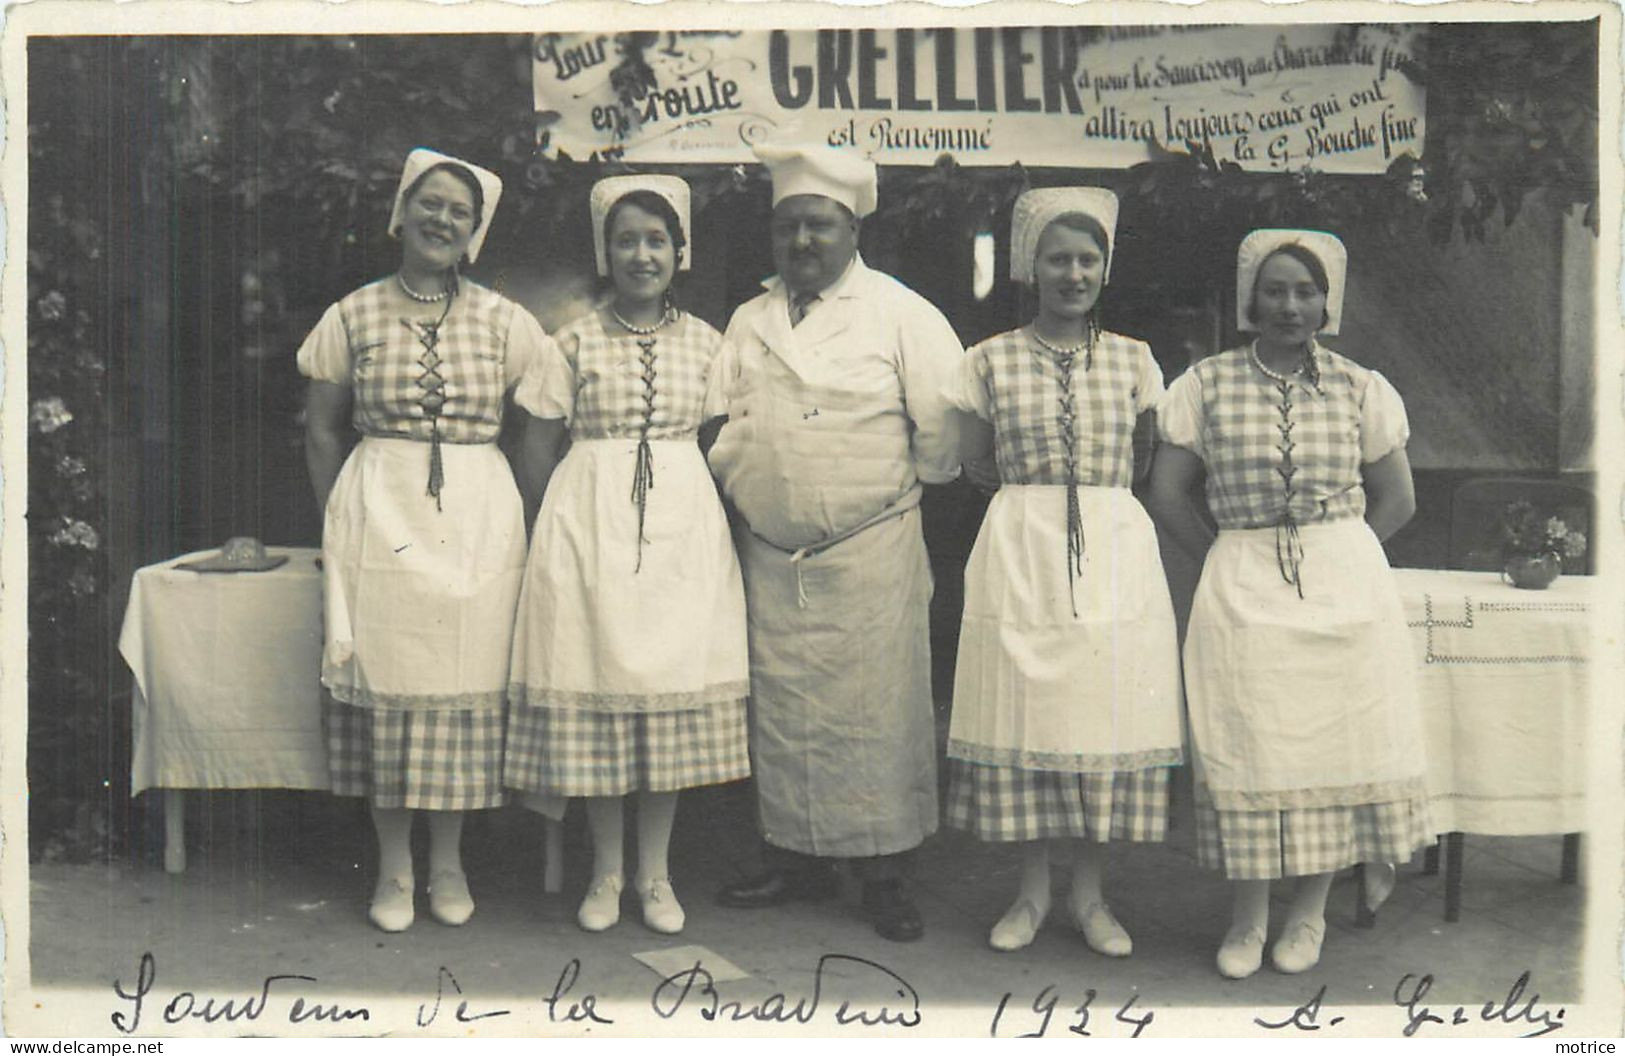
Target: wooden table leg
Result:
[1453, 853]
[1363, 917]
[1571, 858]
[174, 831]
[553, 864]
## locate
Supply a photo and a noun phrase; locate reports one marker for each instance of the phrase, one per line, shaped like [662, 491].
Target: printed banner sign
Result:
[1269, 98]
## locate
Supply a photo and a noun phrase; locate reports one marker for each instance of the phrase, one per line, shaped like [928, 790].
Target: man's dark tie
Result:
[800, 305]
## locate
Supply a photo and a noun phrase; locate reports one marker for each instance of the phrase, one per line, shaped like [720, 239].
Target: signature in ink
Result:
[1514, 1008]
[463, 1014]
[188, 1004]
[1304, 1016]
[576, 1011]
[695, 987]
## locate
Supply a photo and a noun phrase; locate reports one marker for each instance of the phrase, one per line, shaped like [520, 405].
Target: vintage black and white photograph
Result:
[716, 520]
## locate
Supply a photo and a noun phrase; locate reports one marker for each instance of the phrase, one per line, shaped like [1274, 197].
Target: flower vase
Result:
[1532, 571]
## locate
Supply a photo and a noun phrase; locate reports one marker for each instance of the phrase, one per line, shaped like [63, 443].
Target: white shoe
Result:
[1241, 955]
[449, 900]
[391, 908]
[1018, 927]
[1101, 930]
[661, 910]
[601, 909]
[1298, 947]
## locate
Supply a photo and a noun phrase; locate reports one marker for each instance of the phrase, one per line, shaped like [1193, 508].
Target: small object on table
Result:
[1532, 571]
[1535, 543]
[241, 553]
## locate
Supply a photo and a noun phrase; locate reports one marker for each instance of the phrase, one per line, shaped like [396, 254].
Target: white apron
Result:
[599, 631]
[1302, 702]
[420, 601]
[843, 743]
[1039, 688]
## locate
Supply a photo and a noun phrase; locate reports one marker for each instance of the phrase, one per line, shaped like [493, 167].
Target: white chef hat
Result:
[420, 161]
[611, 189]
[1036, 210]
[813, 168]
[1258, 247]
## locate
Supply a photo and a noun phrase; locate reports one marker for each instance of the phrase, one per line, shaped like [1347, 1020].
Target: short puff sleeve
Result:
[1148, 384]
[548, 387]
[1384, 427]
[527, 349]
[967, 389]
[325, 355]
[1179, 414]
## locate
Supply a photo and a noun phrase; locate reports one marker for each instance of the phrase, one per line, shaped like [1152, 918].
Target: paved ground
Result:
[278, 883]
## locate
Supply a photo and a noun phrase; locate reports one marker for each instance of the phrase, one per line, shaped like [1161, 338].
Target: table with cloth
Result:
[227, 691]
[1504, 684]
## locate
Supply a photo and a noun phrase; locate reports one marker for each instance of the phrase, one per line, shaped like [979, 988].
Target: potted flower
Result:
[1534, 544]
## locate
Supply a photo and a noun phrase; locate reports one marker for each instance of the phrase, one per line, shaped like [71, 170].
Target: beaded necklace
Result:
[421, 298]
[1086, 346]
[666, 316]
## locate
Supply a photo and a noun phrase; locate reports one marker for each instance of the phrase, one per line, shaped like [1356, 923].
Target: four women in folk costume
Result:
[613, 660]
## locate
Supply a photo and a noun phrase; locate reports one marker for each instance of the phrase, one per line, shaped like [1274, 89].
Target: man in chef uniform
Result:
[834, 379]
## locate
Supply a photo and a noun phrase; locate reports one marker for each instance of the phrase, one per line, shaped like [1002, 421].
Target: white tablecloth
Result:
[227, 676]
[1504, 682]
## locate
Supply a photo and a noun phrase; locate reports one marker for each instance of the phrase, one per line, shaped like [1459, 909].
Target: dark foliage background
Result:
[195, 202]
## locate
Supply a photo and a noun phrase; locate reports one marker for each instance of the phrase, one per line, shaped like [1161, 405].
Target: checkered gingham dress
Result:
[1333, 777]
[630, 669]
[416, 670]
[1066, 697]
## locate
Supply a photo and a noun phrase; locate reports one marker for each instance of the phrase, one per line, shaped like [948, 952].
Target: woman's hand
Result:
[1390, 494]
[327, 436]
[983, 473]
[1175, 474]
[976, 451]
[710, 429]
[1144, 443]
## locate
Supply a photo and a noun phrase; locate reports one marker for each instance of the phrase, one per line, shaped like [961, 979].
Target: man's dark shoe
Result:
[776, 887]
[893, 913]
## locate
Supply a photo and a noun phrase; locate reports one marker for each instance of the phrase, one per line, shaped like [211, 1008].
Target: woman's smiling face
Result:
[1069, 270]
[440, 221]
[641, 255]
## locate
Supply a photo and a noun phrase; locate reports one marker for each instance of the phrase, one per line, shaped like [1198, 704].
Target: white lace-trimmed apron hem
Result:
[626, 703]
